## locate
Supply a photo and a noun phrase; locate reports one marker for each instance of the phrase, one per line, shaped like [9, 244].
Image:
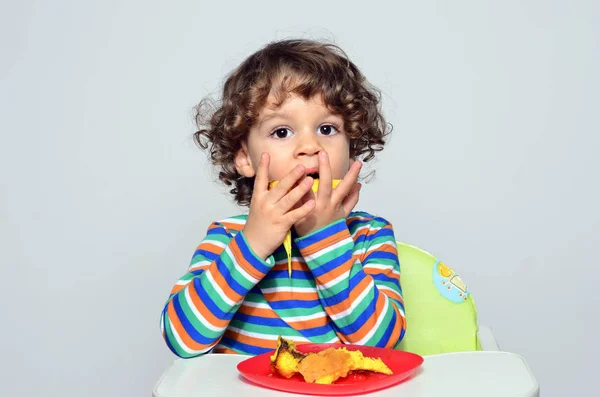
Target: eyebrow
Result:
[272, 116]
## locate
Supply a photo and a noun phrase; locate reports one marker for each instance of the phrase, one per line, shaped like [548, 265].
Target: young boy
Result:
[292, 112]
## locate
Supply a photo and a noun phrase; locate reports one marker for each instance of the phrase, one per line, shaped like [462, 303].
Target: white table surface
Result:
[469, 374]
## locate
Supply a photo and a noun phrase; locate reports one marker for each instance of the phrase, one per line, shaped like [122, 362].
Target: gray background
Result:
[492, 167]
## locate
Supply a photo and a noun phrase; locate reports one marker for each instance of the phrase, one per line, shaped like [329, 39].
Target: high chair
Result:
[440, 312]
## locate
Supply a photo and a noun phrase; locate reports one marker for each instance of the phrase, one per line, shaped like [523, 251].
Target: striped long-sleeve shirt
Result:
[345, 287]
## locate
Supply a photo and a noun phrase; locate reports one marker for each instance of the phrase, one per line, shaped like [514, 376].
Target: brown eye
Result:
[281, 133]
[327, 129]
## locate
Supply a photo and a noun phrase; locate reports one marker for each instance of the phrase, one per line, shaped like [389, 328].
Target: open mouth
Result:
[314, 175]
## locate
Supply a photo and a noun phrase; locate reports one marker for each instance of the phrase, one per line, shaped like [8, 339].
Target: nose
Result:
[308, 144]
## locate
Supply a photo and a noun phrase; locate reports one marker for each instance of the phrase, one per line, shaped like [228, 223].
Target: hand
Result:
[274, 212]
[331, 204]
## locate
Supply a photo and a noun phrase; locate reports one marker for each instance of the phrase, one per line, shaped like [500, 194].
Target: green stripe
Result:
[216, 297]
[387, 317]
[173, 340]
[196, 323]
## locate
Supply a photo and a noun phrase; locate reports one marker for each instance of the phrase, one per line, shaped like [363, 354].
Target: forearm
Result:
[363, 298]
[203, 302]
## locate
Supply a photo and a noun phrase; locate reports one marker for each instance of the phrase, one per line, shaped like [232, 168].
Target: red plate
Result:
[257, 369]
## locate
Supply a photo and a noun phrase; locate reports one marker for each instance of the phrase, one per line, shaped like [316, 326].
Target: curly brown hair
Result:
[301, 67]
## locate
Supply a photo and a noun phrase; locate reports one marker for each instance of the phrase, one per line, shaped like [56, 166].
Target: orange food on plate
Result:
[324, 367]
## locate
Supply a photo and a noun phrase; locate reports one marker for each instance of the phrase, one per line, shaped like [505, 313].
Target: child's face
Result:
[294, 134]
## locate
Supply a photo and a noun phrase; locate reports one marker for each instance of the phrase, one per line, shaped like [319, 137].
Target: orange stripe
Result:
[238, 258]
[308, 324]
[345, 304]
[250, 340]
[178, 288]
[336, 272]
[264, 343]
[297, 325]
[176, 323]
[289, 295]
[361, 232]
[204, 311]
[199, 266]
[388, 248]
[230, 226]
[400, 325]
[373, 271]
[371, 321]
[353, 218]
[210, 247]
[392, 294]
[342, 337]
[326, 242]
[257, 311]
[296, 265]
[217, 225]
[222, 283]
[224, 350]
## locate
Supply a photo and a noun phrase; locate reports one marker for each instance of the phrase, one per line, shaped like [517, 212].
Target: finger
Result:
[261, 182]
[296, 215]
[287, 182]
[351, 199]
[294, 198]
[343, 189]
[324, 176]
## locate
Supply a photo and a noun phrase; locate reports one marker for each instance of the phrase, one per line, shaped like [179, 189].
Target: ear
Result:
[243, 162]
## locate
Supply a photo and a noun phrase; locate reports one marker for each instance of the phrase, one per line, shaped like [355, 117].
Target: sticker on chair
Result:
[449, 284]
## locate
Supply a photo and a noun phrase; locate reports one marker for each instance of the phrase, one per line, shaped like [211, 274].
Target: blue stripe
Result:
[189, 328]
[249, 256]
[279, 323]
[330, 265]
[218, 230]
[362, 318]
[231, 282]
[381, 255]
[388, 331]
[208, 301]
[295, 304]
[399, 304]
[255, 291]
[367, 239]
[383, 278]
[239, 346]
[316, 331]
[359, 241]
[345, 293]
[269, 322]
[328, 231]
[167, 326]
[381, 233]
[356, 223]
[296, 275]
[402, 332]
[205, 254]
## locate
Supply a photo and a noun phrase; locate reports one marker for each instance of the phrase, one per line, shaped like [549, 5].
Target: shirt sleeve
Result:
[359, 288]
[201, 304]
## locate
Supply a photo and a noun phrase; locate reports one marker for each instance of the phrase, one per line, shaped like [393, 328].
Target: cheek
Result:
[339, 166]
[278, 166]
[340, 161]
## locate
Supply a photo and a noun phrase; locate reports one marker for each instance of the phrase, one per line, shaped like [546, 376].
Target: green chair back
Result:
[440, 312]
